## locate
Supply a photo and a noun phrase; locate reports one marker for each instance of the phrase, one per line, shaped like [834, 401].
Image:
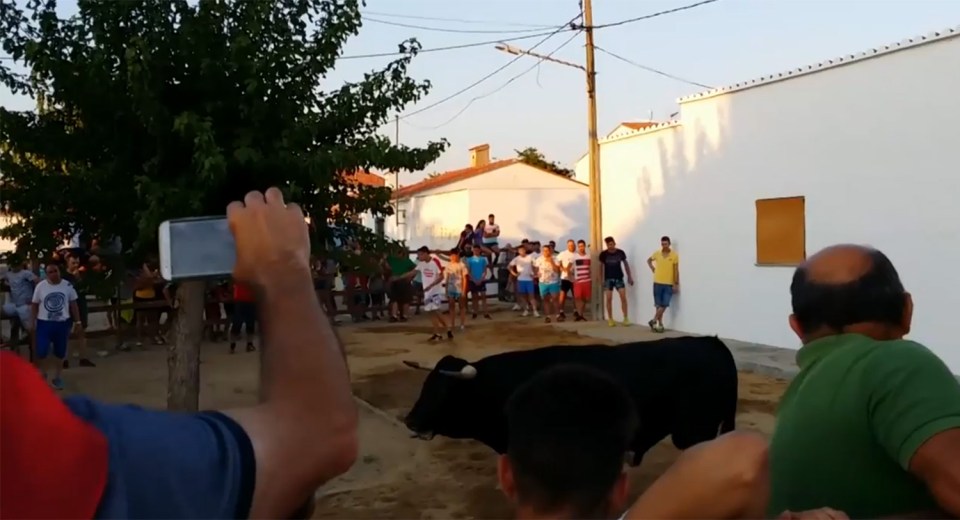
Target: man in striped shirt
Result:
[581, 280]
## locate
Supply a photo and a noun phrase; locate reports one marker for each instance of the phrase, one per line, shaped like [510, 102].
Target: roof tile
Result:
[451, 177]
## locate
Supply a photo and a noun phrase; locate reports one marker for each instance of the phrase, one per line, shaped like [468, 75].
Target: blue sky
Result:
[716, 44]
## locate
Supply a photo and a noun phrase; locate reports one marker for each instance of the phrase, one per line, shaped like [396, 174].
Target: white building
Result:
[861, 148]
[528, 203]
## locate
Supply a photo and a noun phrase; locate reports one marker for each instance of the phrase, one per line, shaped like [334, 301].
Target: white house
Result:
[752, 177]
[528, 202]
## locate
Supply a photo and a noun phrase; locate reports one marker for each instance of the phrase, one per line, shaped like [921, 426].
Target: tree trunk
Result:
[183, 353]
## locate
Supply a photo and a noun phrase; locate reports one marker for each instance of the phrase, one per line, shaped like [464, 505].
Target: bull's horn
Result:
[418, 366]
[467, 372]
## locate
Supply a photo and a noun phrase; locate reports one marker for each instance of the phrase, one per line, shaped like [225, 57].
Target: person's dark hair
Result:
[423, 249]
[584, 242]
[455, 251]
[569, 430]
[877, 296]
[665, 238]
[608, 240]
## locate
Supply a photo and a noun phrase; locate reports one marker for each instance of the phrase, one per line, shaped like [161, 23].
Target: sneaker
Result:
[84, 362]
[626, 322]
[525, 313]
[536, 314]
[516, 307]
[66, 364]
[659, 329]
[487, 316]
[547, 319]
[580, 318]
[611, 323]
[250, 347]
[57, 383]
[561, 317]
[233, 347]
[403, 319]
[435, 337]
[653, 325]
[449, 334]
[393, 319]
[474, 315]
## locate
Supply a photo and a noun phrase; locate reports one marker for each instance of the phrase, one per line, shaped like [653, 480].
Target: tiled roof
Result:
[639, 125]
[451, 177]
[652, 127]
[366, 178]
[945, 34]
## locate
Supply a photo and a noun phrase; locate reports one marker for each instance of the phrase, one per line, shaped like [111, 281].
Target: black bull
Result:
[683, 387]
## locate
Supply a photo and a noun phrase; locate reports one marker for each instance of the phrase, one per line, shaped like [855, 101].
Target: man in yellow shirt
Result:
[665, 264]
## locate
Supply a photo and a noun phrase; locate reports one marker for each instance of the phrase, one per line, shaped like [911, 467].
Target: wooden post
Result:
[593, 151]
[183, 354]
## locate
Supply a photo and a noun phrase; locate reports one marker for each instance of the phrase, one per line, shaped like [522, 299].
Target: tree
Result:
[154, 110]
[533, 157]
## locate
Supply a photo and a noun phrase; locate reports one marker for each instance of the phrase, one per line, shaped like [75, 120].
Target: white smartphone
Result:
[200, 247]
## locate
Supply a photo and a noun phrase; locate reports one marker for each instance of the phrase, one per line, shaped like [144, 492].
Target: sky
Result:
[721, 43]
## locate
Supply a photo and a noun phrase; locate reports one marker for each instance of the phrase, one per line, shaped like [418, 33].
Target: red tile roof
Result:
[451, 177]
[639, 125]
[366, 178]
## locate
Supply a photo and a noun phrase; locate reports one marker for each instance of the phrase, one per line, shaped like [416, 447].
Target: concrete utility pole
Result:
[396, 178]
[593, 154]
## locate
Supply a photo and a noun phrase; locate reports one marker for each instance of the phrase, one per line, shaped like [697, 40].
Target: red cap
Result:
[52, 463]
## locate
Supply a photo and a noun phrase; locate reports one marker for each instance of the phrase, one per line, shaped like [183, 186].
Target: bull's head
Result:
[436, 410]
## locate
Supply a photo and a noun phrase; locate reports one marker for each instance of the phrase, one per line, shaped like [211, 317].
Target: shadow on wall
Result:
[566, 220]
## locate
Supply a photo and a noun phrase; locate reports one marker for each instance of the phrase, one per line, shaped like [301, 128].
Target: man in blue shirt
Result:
[262, 461]
[478, 270]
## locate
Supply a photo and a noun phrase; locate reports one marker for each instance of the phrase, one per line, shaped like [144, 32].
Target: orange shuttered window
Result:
[781, 231]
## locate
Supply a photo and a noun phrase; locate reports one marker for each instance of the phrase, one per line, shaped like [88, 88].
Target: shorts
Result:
[54, 333]
[609, 284]
[525, 287]
[432, 302]
[244, 315]
[662, 294]
[490, 244]
[477, 287]
[546, 289]
[400, 291]
[377, 298]
[582, 290]
[454, 296]
[22, 312]
[566, 286]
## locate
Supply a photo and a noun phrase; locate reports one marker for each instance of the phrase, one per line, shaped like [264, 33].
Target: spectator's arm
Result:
[304, 432]
[914, 408]
[626, 269]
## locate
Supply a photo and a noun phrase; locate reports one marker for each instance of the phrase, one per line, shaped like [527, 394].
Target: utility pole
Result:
[593, 153]
[396, 178]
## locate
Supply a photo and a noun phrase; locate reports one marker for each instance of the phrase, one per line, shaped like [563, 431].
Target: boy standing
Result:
[665, 264]
[456, 279]
[54, 310]
[548, 273]
[477, 267]
[431, 274]
[615, 265]
[522, 268]
[582, 288]
[566, 259]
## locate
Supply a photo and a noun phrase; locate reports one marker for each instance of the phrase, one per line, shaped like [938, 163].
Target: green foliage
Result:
[157, 109]
[534, 157]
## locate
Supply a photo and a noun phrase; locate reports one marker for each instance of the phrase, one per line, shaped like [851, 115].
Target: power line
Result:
[459, 31]
[498, 89]
[654, 15]
[488, 76]
[453, 47]
[458, 20]
[651, 69]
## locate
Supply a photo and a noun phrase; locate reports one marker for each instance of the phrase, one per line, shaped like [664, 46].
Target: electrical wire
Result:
[536, 65]
[458, 31]
[654, 15]
[459, 20]
[651, 69]
[490, 75]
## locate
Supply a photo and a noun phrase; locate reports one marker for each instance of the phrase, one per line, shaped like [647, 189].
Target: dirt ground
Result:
[395, 476]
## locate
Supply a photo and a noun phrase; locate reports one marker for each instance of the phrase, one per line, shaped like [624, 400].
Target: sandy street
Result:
[395, 476]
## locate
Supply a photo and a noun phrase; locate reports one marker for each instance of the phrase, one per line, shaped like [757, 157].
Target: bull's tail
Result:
[730, 397]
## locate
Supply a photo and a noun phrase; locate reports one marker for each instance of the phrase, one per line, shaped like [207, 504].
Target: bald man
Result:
[871, 424]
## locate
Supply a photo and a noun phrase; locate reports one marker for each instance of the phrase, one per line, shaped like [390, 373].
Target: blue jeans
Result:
[662, 294]
[611, 284]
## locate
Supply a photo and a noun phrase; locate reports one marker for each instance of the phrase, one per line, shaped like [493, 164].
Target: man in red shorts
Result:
[581, 280]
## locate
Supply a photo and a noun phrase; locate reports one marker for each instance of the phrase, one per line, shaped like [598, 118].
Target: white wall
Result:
[536, 213]
[872, 145]
[436, 220]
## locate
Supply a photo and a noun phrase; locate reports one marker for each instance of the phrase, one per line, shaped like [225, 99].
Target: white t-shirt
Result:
[524, 267]
[54, 300]
[490, 229]
[565, 259]
[546, 271]
[430, 272]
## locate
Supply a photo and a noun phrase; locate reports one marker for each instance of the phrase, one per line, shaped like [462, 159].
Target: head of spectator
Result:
[582, 247]
[611, 244]
[849, 289]
[53, 272]
[569, 430]
[454, 255]
[423, 254]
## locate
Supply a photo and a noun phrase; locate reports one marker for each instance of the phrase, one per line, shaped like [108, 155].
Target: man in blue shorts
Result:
[522, 268]
[55, 313]
[547, 271]
[478, 269]
[614, 263]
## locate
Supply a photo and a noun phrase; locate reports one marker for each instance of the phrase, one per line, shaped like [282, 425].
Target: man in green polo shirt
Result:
[399, 290]
[871, 424]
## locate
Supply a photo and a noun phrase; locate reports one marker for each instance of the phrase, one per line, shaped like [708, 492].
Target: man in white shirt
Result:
[522, 268]
[431, 272]
[547, 272]
[566, 260]
[491, 237]
[582, 286]
[21, 282]
[55, 311]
